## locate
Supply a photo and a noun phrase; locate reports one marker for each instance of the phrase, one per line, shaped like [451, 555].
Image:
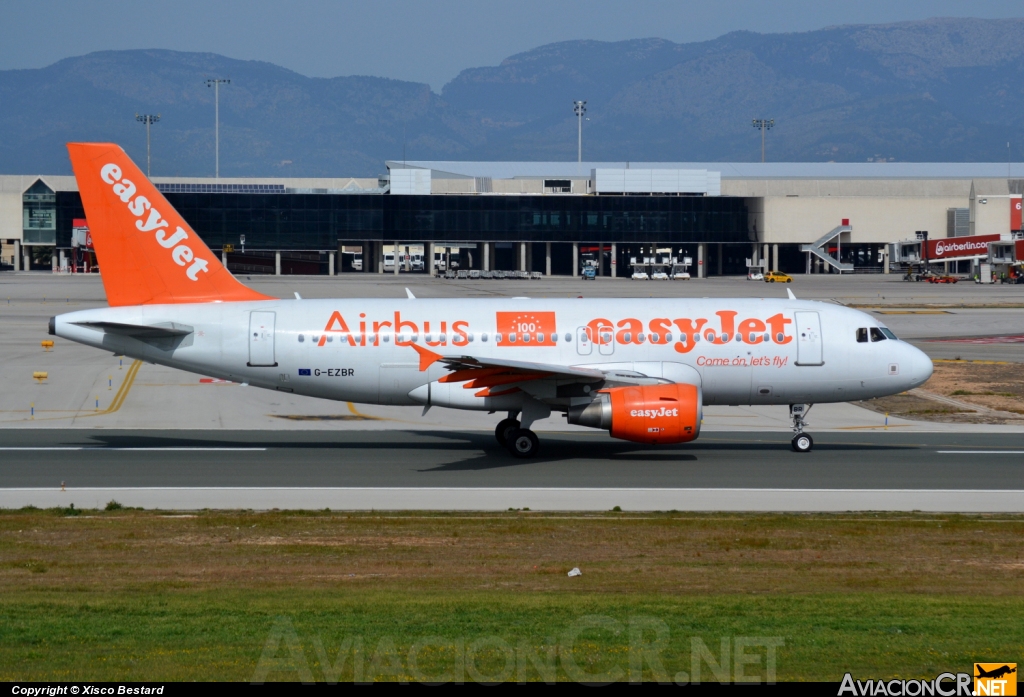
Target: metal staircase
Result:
[819, 248]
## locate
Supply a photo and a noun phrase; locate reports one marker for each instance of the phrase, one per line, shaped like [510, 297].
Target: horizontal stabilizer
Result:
[164, 330]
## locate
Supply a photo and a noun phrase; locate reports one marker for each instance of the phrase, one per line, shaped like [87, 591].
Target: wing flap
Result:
[466, 367]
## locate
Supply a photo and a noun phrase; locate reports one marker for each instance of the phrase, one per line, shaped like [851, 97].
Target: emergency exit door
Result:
[808, 338]
[261, 339]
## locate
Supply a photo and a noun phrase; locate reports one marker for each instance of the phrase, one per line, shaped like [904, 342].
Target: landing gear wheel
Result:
[504, 429]
[523, 443]
[802, 443]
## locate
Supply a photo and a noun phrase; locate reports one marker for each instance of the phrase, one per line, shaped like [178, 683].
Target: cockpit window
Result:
[862, 336]
[888, 333]
[877, 335]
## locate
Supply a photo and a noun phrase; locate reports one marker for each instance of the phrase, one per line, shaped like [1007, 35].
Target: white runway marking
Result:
[101, 447]
[980, 452]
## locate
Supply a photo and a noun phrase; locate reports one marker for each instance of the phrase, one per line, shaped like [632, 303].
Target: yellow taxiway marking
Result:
[122, 391]
[356, 412]
[118, 401]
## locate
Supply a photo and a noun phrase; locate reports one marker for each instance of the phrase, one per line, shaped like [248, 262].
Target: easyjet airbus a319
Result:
[640, 369]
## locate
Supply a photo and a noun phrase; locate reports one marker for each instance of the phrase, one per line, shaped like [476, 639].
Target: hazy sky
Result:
[409, 40]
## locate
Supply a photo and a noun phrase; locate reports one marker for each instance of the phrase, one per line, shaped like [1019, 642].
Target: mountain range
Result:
[935, 90]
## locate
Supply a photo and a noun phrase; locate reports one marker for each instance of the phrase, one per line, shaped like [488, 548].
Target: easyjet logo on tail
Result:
[150, 220]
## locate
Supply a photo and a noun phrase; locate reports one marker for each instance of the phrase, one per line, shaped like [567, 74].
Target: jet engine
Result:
[644, 413]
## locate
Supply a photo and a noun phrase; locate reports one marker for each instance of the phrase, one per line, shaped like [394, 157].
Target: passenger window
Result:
[628, 336]
[301, 338]
[554, 338]
[876, 334]
[568, 337]
[640, 338]
[483, 336]
[862, 336]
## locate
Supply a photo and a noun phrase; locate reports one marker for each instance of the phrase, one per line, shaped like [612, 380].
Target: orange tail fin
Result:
[146, 251]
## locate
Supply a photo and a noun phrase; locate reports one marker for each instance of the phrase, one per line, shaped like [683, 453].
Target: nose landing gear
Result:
[802, 442]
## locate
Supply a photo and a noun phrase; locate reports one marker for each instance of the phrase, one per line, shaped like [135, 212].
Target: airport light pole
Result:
[764, 125]
[579, 108]
[149, 120]
[215, 84]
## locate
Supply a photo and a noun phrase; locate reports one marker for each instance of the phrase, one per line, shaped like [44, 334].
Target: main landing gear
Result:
[520, 442]
[504, 429]
[802, 442]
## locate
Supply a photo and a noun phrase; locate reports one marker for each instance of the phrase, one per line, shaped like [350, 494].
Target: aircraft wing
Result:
[498, 376]
[470, 363]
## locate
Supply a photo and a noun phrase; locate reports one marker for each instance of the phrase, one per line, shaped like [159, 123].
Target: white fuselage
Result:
[358, 350]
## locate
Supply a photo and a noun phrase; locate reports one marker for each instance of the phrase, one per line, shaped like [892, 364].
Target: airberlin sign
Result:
[527, 329]
[960, 247]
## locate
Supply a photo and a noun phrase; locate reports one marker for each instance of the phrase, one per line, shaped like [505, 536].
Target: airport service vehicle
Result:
[755, 276]
[589, 272]
[942, 279]
[777, 277]
[641, 369]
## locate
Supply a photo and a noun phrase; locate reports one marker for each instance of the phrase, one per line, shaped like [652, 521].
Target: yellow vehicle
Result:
[777, 277]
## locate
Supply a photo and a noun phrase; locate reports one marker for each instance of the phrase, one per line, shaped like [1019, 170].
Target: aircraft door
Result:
[584, 344]
[808, 338]
[261, 339]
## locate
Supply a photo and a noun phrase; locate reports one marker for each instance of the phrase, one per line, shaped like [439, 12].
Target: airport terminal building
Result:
[549, 217]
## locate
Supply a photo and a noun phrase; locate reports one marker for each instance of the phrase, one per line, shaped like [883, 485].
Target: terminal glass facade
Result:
[291, 221]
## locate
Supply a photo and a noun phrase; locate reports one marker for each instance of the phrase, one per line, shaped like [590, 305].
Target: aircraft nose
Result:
[921, 366]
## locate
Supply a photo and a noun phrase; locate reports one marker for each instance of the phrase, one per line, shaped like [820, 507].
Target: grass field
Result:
[132, 595]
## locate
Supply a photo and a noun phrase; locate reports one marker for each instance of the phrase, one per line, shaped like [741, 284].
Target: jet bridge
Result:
[820, 247]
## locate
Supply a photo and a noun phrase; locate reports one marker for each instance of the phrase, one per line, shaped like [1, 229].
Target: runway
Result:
[466, 470]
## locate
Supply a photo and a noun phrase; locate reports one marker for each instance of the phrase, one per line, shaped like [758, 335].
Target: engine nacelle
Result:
[644, 413]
